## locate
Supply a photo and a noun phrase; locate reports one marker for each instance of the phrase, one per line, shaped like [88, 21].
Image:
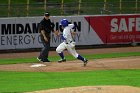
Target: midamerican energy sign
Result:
[22, 33]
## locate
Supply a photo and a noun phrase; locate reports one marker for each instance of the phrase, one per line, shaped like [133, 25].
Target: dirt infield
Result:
[93, 89]
[72, 66]
[69, 66]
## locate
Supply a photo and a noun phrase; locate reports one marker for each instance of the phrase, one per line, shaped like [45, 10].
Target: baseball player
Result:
[68, 43]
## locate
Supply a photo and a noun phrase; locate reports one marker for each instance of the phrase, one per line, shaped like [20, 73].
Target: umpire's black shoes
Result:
[46, 60]
[39, 59]
[85, 62]
[61, 60]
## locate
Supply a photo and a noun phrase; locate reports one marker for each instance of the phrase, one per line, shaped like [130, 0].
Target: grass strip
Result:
[69, 57]
[32, 81]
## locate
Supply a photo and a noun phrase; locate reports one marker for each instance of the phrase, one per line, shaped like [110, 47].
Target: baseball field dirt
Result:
[71, 66]
[93, 89]
[76, 65]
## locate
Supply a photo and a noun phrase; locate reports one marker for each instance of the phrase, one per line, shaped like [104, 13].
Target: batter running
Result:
[68, 43]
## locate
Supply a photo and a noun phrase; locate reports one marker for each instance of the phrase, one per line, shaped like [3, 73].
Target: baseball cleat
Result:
[85, 62]
[39, 59]
[46, 60]
[62, 60]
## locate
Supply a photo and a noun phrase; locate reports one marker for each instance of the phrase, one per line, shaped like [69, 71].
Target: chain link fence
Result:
[75, 7]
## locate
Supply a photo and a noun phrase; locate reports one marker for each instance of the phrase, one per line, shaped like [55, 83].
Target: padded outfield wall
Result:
[22, 32]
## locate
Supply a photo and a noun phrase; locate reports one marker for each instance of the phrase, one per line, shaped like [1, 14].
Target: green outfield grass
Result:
[13, 82]
[69, 57]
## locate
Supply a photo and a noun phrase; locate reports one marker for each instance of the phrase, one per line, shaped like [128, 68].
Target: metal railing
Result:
[71, 8]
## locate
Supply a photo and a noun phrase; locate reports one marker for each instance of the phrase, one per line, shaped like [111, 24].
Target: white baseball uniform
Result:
[68, 43]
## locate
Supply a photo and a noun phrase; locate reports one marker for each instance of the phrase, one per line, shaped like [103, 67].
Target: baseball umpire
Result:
[45, 29]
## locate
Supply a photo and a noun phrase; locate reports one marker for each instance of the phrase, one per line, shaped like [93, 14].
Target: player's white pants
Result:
[64, 46]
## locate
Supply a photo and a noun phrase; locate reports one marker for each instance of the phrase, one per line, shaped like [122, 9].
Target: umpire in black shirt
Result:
[45, 29]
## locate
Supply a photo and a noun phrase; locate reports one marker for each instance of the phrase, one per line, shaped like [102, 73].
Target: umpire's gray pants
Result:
[45, 51]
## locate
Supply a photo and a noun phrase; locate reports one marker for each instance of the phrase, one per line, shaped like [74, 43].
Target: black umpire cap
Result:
[47, 14]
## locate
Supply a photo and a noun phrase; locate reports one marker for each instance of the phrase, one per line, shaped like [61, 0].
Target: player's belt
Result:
[70, 42]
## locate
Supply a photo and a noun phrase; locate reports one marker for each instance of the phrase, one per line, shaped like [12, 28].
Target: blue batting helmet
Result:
[64, 22]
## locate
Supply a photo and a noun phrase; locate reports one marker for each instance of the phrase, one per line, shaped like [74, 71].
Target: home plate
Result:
[38, 65]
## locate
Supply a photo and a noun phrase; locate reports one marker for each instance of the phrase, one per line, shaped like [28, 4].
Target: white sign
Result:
[22, 33]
